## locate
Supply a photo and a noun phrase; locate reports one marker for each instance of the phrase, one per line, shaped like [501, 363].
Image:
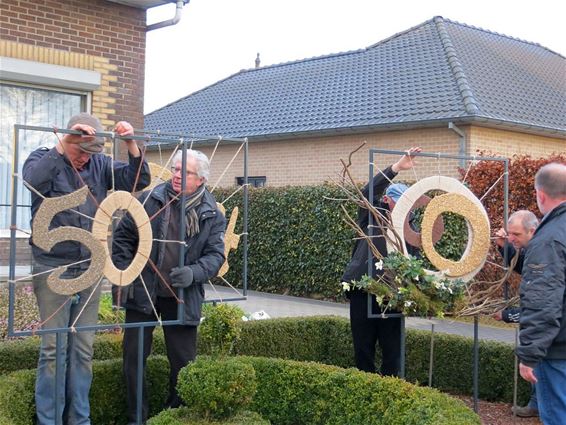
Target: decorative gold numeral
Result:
[46, 239]
[102, 220]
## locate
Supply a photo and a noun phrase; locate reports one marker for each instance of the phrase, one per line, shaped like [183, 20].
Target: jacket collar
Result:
[208, 202]
[557, 211]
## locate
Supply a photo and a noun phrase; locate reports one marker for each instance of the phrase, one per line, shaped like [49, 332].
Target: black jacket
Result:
[512, 314]
[358, 265]
[204, 253]
[52, 175]
[543, 298]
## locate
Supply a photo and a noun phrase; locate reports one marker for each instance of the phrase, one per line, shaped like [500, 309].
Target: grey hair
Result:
[527, 218]
[551, 179]
[203, 164]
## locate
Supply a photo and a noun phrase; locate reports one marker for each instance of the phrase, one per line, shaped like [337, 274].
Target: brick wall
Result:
[312, 161]
[315, 160]
[89, 34]
[508, 143]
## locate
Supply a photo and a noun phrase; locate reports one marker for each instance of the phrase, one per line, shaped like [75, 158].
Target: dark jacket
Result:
[543, 304]
[512, 314]
[358, 265]
[204, 253]
[52, 175]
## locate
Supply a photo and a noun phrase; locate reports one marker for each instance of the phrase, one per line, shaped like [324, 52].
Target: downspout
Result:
[462, 142]
[169, 22]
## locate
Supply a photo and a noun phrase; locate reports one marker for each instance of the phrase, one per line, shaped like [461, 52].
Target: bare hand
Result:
[501, 237]
[527, 373]
[406, 162]
[497, 316]
[124, 128]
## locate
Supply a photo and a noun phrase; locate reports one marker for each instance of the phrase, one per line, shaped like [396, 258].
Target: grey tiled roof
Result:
[435, 72]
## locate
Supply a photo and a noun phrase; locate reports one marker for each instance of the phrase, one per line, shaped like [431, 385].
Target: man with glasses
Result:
[157, 290]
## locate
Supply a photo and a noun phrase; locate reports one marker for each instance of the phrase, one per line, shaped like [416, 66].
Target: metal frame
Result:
[140, 325]
[462, 158]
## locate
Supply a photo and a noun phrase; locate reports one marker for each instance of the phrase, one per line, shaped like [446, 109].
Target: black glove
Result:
[181, 277]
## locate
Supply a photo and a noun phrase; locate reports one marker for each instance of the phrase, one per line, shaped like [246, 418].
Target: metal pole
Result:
[12, 264]
[139, 376]
[245, 227]
[182, 229]
[431, 359]
[505, 218]
[59, 377]
[402, 348]
[476, 363]
[516, 373]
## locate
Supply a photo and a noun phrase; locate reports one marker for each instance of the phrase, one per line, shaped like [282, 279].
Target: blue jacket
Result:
[204, 253]
[543, 297]
[52, 175]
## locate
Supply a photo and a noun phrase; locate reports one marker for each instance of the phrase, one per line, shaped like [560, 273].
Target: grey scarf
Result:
[192, 201]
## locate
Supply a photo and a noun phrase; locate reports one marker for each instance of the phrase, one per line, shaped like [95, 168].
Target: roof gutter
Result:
[169, 22]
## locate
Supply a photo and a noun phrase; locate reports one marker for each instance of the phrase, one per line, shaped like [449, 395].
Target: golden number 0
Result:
[102, 220]
[46, 239]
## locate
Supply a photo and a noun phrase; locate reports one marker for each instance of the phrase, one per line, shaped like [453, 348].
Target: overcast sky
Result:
[218, 38]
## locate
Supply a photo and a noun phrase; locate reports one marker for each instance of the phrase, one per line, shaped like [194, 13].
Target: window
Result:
[254, 181]
[30, 106]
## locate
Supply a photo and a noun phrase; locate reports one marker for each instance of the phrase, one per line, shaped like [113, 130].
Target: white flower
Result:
[409, 303]
[345, 286]
[416, 278]
[379, 265]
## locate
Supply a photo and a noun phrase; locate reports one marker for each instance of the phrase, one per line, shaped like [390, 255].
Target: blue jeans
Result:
[551, 391]
[73, 392]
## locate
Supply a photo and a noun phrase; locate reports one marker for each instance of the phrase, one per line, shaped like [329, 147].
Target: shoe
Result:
[525, 411]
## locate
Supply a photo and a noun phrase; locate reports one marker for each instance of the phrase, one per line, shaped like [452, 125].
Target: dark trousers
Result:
[366, 332]
[181, 345]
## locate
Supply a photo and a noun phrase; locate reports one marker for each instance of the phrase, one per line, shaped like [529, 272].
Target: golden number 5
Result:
[46, 239]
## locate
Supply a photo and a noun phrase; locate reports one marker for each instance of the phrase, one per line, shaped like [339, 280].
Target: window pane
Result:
[29, 106]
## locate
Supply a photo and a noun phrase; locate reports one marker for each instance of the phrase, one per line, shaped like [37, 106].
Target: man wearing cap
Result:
[75, 161]
[367, 331]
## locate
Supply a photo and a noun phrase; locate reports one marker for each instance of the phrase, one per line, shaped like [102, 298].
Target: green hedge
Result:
[328, 340]
[107, 394]
[184, 416]
[306, 393]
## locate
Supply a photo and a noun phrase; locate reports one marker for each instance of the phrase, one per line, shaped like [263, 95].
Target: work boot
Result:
[525, 411]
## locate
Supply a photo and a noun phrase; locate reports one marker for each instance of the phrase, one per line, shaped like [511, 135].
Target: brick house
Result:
[449, 87]
[61, 57]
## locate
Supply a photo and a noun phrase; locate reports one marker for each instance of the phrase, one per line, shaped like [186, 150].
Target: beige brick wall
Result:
[508, 143]
[312, 161]
[315, 160]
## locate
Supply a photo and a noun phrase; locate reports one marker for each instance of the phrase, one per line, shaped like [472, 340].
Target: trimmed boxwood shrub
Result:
[184, 416]
[328, 340]
[107, 394]
[219, 389]
[296, 393]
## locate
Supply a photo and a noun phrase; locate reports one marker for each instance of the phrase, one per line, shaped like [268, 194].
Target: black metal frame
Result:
[140, 325]
[372, 153]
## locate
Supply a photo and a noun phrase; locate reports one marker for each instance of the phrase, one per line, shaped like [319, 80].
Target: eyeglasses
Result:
[176, 170]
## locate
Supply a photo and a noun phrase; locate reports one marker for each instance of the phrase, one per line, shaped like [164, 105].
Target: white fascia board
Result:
[48, 75]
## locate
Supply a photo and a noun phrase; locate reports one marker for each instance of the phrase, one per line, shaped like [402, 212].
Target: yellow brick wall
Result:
[312, 161]
[508, 143]
[102, 103]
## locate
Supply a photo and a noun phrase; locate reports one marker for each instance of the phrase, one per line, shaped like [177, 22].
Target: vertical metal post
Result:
[370, 229]
[402, 348]
[505, 218]
[139, 376]
[431, 359]
[476, 363]
[60, 358]
[245, 227]
[14, 214]
[182, 230]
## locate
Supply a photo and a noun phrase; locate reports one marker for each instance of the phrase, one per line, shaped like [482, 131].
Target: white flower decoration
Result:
[379, 265]
[345, 286]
